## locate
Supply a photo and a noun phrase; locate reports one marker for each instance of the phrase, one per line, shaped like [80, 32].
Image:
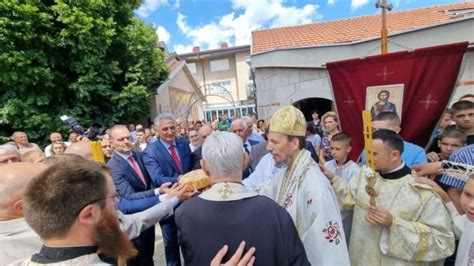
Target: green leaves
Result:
[88, 59]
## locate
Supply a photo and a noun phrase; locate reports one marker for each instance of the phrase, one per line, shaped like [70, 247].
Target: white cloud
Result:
[358, 3]
[163, 34]
[149, 6]
[181, 49]
[181, 21]
[237, 29]
[332, 2]
[177, 4]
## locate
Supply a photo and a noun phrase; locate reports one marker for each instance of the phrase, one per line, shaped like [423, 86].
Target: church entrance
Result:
[309, 105]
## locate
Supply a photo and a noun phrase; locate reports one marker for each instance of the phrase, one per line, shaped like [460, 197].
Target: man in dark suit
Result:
[196, 155]
[241, 128]
[133, 182]
[165, 160]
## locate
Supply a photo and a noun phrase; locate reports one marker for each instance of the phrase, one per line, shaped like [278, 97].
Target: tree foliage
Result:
[89, 59]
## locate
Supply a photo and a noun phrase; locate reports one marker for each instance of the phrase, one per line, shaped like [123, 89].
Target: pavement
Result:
[159, 257]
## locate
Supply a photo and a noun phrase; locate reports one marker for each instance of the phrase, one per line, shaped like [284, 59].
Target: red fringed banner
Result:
[416, 85]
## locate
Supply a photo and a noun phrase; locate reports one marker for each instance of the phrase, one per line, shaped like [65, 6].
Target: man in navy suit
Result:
[240, 128]
[165, 160]
[133, 182]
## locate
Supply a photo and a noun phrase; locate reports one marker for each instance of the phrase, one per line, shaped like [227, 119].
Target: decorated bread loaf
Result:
[196, 178]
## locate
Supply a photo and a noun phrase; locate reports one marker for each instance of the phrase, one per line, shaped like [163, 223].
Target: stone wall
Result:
[278, 87]
[465, 83]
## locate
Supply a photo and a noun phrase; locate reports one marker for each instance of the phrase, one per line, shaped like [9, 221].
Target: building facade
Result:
[179, 94]
[223, 76]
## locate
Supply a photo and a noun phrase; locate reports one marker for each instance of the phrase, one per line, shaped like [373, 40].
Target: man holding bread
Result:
[228, 213]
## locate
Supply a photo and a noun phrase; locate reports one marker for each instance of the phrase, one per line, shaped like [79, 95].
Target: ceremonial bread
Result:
[197, 178]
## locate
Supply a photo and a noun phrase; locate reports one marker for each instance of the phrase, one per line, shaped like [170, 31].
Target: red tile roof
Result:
[354, 29]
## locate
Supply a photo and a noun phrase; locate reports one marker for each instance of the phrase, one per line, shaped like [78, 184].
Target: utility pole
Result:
[384, 34]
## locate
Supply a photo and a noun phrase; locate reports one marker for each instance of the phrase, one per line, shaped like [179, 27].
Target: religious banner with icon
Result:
[419, 85]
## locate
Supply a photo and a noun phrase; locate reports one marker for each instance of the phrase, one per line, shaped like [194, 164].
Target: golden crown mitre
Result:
[289, 121]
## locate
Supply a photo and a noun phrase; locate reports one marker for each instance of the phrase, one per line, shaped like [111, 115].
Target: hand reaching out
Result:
[165, 188]
[434, 187]
[427, 168]
[237, 259]
[330, 175]
[180, 192]
[433, 157]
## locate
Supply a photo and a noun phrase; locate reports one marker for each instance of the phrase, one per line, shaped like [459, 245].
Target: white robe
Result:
[465, 255]
[347, 172]
[421, 232]
[309, 198]
[464, 231]
[266, 169]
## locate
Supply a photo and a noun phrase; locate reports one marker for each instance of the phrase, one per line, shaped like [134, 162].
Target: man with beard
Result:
[302, 189]
[71, 206]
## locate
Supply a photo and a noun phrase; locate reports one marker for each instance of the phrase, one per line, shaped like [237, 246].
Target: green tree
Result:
[90, 59]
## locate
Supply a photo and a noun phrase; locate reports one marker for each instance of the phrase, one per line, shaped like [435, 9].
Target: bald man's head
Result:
[14, 178]
[204, 131]
[82, 149]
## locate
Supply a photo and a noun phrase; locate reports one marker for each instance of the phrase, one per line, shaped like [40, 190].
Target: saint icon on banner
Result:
[387, 98]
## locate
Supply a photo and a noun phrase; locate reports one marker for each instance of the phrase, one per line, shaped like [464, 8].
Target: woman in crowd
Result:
[261, 127]
[58, 147]
[330, 127]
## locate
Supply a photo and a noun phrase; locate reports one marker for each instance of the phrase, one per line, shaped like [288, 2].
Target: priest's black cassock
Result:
[229, 213]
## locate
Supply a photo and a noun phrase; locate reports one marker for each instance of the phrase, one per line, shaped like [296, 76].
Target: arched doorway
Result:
[309, 105]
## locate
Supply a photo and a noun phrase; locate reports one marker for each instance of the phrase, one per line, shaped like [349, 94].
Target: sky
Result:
[183, 24]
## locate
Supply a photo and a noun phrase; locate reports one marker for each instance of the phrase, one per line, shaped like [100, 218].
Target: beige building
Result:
[290, 62]
[224, 79]
[179, 94]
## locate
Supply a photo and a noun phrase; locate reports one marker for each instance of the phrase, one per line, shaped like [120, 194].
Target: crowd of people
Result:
[283, 192]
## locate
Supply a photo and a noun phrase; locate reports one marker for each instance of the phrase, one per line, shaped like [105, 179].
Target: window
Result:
[219, 87]
[219, 65]
[192, 68]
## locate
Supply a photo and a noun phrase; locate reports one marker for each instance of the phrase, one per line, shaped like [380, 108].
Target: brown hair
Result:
[53, 200]
[454, 133]
[391, 117]
[461, 106]
[34, 156]
[343, 137]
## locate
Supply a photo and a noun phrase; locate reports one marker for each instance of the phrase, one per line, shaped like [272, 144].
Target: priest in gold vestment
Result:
[302, 189]
[409, 224]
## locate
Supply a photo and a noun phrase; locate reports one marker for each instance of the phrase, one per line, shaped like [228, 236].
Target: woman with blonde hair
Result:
[331, 127]
[58, 147]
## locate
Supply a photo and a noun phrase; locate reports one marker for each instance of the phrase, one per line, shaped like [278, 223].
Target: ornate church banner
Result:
[417, 85]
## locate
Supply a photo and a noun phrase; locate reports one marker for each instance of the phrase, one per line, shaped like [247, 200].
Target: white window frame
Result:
[192, 68]
[219, 65]
[217, 87]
